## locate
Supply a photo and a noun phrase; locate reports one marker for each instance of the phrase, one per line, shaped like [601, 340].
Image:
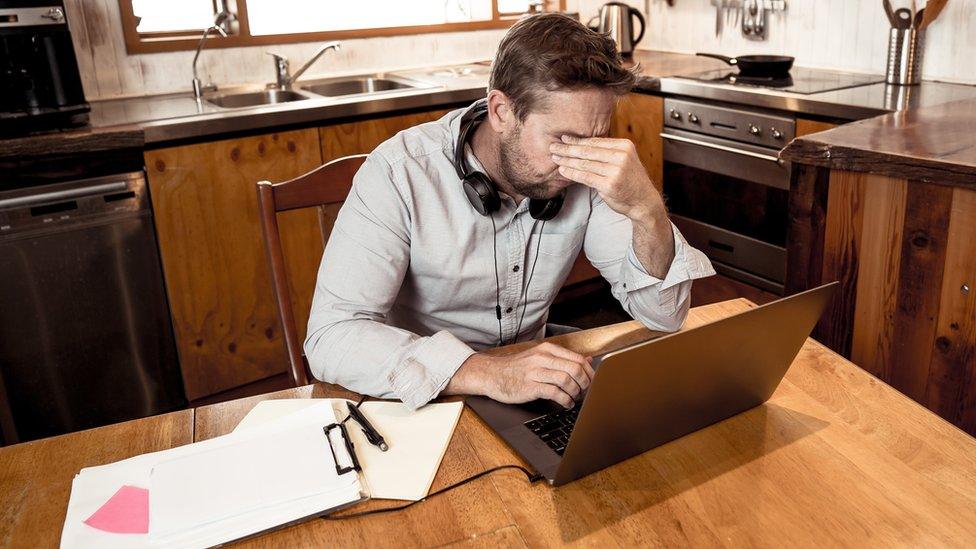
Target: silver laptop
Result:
[653, 392]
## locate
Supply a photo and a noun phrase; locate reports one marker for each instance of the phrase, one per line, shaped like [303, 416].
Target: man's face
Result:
[526, 162]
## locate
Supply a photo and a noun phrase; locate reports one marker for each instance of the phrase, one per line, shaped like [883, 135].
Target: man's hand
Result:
[545, 371]
[612, 167]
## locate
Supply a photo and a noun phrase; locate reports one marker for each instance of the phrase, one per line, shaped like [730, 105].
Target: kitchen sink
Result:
[256, 98]
[361, 85]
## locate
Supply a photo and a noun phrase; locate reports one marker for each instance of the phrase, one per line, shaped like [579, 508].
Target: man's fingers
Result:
[592, 166]
[598, 154]
[589, 179]
[574, 369]
[604, 142]
[560, 379]
[555, 394]
[562, 352]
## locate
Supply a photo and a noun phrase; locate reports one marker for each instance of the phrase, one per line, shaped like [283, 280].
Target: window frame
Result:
[156, 42]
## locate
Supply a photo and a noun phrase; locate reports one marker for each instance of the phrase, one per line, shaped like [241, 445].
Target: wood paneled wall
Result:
[904, 253]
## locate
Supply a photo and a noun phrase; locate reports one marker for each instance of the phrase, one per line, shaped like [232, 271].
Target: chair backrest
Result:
[325, 185]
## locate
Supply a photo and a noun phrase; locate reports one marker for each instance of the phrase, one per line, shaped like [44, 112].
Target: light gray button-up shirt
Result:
[406, 289]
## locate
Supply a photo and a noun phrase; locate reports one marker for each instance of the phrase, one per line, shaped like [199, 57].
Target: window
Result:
[153, 26]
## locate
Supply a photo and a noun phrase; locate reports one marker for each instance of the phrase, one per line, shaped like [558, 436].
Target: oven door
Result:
[730, 200]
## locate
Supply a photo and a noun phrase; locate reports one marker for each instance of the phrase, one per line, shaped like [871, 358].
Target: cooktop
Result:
[800, 80]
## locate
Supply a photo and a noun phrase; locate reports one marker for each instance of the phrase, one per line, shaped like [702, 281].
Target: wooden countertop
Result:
[835, 458]
[934, 144]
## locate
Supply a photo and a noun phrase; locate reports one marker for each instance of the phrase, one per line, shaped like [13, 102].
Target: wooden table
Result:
[834, 458]
[35, 477]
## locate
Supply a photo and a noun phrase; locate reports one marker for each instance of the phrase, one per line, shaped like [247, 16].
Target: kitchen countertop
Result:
[935, 144]
[178, 117]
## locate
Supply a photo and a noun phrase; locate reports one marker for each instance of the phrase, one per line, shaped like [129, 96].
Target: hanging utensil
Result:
[917, 21]
[890, 12]
[903, 18]
[719, 6]
[932, 10]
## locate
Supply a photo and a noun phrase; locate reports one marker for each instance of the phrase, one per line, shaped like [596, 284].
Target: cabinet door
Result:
[217, 276]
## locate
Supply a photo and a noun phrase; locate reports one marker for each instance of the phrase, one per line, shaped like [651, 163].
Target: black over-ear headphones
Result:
[478, 187]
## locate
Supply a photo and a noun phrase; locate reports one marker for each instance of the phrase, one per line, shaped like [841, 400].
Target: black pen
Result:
[372, 435]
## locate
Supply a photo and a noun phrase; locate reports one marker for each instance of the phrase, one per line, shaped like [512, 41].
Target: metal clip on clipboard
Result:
[350, 448]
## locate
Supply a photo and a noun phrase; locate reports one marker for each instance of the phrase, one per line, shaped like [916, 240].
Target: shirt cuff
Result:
[688, 264]
[424, 374]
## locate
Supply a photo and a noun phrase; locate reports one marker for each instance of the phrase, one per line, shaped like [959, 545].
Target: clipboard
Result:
[351, 448]
[203, 499]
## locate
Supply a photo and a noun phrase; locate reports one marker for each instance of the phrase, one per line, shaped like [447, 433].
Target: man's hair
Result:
[550, 52]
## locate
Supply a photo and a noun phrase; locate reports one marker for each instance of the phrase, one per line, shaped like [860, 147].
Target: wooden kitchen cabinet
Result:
[217, 277]
[214, 263]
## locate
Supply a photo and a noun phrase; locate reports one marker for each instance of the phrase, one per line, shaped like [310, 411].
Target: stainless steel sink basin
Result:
[361, 85]
[255, 98]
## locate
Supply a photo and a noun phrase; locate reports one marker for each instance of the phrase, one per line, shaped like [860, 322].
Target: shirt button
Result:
[515, 268]
[508, 310]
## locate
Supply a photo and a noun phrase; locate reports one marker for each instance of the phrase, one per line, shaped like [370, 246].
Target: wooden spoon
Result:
[932, 10]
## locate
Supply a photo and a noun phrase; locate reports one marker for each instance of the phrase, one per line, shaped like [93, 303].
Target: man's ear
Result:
[500, 114]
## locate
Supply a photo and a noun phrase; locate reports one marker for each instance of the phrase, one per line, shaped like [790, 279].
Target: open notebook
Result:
[417, 439]
[225, 488]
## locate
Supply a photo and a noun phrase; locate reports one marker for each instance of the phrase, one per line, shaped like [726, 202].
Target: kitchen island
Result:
[887, 206]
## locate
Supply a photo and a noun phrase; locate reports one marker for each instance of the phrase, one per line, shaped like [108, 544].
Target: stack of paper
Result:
[217, 490]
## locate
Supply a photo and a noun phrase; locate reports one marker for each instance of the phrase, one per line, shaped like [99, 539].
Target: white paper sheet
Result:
[94, 485]
[417, 441]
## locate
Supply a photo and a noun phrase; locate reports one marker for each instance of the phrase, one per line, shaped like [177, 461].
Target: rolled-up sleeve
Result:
[349, 341]
[660, 304]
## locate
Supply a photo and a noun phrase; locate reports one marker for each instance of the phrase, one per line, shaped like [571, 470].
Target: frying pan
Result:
[757, 65]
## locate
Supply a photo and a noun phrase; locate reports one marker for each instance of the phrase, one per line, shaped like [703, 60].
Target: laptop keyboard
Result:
[554, 429]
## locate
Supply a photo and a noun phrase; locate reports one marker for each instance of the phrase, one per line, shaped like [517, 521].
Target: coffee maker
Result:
[40, 86]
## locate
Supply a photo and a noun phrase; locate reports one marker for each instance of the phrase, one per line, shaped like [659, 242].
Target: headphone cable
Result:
[525, 301]
[494, 258]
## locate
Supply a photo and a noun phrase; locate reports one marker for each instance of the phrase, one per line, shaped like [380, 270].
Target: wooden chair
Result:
[328, 184]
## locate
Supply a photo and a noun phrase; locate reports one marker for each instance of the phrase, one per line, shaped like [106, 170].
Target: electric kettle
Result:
[616, 19]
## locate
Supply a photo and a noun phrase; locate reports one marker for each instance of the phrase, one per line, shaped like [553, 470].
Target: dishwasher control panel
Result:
[33, 208]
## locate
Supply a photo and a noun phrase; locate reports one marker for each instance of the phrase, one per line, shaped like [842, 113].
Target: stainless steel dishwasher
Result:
[85, 333]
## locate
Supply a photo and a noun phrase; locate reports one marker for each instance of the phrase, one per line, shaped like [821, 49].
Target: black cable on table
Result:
[531, 477]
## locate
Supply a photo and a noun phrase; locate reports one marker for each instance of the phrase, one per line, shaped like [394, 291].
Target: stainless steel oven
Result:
[726, 187]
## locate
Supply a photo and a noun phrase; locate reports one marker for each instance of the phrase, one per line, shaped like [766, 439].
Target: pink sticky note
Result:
[127, 512]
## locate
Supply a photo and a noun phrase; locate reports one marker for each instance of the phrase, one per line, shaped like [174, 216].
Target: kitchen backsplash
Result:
[838, 34]
[835, 34]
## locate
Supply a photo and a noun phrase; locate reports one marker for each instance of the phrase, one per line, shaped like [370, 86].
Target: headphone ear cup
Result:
[544, 210]
[481, 193]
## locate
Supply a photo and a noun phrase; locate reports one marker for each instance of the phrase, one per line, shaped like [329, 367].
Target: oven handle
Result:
[767, 157]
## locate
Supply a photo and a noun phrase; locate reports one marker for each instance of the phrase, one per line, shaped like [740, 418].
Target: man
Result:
[415, 279]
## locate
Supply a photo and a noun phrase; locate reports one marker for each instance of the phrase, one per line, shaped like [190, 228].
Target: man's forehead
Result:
[579, 114]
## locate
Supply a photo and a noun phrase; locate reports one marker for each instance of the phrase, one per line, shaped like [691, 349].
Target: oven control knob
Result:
[693, 118]
[675, 114]
[755, 130]
[776, 134]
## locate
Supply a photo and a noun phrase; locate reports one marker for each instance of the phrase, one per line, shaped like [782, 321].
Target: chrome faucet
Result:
[220, 20]
[283, 77]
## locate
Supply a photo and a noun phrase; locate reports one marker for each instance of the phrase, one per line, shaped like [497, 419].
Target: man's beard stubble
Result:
[516, 169]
